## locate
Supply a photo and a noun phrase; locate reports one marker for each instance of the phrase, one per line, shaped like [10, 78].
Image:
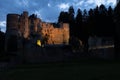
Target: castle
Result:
[31, 27]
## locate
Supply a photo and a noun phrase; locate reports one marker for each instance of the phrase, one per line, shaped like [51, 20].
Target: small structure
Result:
[99, 42]
[101, 47]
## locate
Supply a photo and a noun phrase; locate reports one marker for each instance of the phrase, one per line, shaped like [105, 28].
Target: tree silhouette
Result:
[71, 20]
[91, 22]
[85, 15]
[117, 30]
[78, 24]
[85, 30]
[63, 17]
[98, 21]
[110, 22]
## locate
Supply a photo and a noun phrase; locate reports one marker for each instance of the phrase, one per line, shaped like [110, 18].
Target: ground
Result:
[83, 70]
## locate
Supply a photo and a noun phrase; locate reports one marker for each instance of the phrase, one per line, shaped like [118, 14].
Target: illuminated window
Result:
[38, 42]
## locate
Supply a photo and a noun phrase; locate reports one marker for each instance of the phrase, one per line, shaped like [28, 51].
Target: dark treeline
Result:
[117, 30]
[98, 21]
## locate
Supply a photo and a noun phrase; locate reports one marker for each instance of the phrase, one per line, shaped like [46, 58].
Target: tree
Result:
[117, 30]
[71, 20]
[110, 22]
[71, 14]
[85, 31]
[78, 18]
[78, 22]
[96, 19]
[102, 10]
[63, 17]
[110, 11]
[91, 22]
[85, 15]
[96, 11]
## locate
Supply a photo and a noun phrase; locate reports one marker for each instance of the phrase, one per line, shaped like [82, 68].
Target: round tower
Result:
[12, 21]
[12, 35]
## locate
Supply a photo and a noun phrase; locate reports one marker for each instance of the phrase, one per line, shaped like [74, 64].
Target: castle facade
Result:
[29, 26]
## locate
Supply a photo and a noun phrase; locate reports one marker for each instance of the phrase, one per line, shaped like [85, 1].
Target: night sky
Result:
[47, 10]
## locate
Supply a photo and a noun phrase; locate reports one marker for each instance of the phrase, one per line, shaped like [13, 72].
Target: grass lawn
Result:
[63, 71]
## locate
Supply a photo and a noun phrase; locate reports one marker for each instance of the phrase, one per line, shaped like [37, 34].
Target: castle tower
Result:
[12, 37]
[12, 21]
[23, 24]
[26, 27]
[36, 21]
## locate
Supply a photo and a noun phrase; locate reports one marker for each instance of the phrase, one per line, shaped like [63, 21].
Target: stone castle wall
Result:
[55, 35]
[23, 24]
[12, 21]
[28, 25]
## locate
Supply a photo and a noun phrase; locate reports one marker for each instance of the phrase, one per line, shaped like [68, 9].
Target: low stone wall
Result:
[47, 54]
[107, 53]
[36, 54]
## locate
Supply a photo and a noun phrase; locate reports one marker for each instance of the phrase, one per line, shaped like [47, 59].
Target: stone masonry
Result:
[27, 25]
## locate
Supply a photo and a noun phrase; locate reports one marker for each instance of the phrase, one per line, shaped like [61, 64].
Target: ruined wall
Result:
[19, 22]
[55, 35]
[36, 24]
[23, 24]
[66, 33]
[28, 25]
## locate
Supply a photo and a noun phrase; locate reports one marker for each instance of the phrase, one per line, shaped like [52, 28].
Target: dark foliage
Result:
[100, 21]
[117, 30]
[2, 40]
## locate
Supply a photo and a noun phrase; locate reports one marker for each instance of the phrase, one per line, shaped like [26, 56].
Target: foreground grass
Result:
[63, 71]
